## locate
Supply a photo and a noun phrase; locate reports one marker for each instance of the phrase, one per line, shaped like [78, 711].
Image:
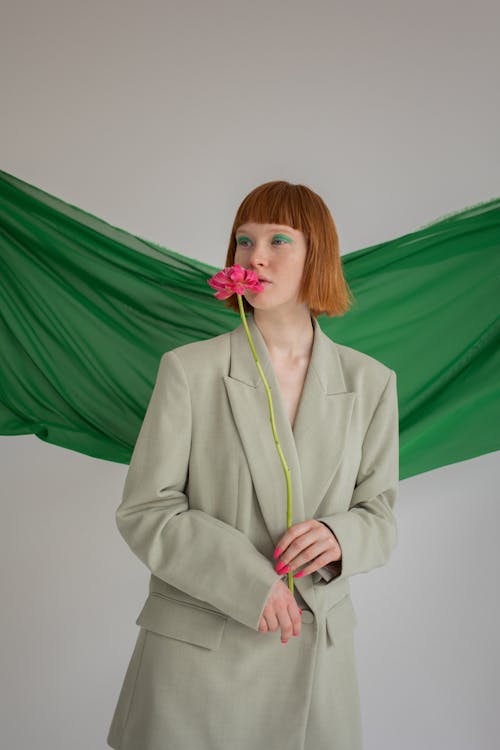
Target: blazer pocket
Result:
[182, 621]
[340, 620]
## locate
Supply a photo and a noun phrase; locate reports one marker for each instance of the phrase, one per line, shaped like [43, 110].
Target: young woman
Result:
[227, 658]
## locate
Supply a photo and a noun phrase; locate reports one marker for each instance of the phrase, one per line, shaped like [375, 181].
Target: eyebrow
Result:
[270, 231]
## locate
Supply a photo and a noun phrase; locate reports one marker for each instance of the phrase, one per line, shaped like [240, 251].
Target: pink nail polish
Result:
[284, 570]
[299, 574]
[279, 567]
[277, 553]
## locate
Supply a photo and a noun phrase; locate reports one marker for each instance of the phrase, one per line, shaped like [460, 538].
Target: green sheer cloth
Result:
[87, 310]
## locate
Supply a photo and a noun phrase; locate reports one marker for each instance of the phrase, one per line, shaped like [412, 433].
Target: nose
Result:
[257, 258]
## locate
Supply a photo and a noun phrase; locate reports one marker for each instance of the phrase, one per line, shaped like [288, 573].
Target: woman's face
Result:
[276, 253]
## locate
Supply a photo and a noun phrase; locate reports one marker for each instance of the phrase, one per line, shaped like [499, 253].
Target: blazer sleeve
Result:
[188, 548]
[367, 532]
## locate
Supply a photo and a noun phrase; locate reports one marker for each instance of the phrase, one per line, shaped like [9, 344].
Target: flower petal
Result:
[234, 280]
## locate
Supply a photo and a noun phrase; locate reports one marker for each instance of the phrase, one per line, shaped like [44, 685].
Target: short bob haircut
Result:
[323, 288]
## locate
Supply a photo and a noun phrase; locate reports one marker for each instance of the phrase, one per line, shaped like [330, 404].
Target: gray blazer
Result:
[203, 507]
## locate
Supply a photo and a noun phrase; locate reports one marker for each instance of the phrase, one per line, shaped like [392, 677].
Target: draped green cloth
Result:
[87, 310]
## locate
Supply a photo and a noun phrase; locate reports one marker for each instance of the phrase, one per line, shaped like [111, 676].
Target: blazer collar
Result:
[313, 449]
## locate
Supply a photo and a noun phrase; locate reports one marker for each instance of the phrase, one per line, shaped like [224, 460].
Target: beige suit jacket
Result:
[203, 507]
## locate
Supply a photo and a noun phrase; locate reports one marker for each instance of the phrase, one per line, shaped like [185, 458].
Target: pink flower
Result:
[234, 280]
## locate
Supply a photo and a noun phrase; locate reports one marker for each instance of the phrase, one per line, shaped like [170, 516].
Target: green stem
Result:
[273, 426]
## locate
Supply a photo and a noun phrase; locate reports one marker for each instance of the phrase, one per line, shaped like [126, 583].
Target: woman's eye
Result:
[283, 239]
[245, 242]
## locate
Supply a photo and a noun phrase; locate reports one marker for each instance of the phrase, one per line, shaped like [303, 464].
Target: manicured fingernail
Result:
[284, 569]
[277, 553]
[280, 566]
[299, 574]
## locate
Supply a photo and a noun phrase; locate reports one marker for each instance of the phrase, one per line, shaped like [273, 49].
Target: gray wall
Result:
[159, 117]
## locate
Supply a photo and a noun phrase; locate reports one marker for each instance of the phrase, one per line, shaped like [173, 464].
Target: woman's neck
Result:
[288, 337]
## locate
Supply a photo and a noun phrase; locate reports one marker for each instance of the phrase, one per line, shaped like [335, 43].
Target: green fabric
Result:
[87, 310]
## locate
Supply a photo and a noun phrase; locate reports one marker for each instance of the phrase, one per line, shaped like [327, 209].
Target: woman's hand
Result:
[281, 612]
[309, 543]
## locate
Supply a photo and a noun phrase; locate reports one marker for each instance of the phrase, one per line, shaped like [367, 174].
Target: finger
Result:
[319, 562]
[296, 619]
[302, 550]
[293, 533]
[272, 621]
[286, 625]
[311, 553]
[300, 537]
[263, 625]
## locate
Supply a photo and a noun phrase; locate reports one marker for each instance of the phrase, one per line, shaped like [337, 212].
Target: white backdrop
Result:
[159, 117]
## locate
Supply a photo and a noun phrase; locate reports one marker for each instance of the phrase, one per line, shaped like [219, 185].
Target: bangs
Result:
[275, 203]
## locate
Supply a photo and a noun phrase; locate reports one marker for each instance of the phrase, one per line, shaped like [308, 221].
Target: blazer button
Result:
[307, 616]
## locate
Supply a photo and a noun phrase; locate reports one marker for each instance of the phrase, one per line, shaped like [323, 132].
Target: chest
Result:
[291, 380]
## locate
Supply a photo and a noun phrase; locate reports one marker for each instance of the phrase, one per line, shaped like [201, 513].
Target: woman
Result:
[227, 658]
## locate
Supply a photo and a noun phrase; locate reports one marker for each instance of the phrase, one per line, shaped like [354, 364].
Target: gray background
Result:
[159, 117]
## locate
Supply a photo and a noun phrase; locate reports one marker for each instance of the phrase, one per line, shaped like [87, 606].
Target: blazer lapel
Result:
[322, 421]
[313, 449]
